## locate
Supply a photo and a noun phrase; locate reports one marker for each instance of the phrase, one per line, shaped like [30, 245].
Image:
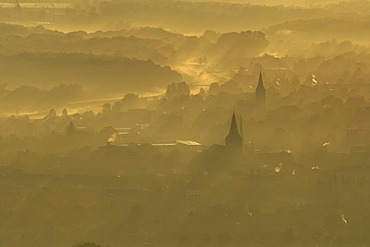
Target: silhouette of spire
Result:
[233, 141]
[233, 126]
[260, 81]
[260, 91]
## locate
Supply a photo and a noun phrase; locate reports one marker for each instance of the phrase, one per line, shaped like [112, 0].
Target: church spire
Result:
[260, 91]
[233, 126]
[233, 141]
[260, 81]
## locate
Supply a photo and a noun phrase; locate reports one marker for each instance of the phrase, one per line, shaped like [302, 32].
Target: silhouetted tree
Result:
[214, 88]
[52, 113]
[65, 112]
[107, 107]
[202, 92]
[130, 101]
[175, 90]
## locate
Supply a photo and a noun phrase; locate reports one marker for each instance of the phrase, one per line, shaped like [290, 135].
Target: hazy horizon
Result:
[184, 123]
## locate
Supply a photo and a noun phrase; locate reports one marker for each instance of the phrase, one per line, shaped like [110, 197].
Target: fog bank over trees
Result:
[184, 123]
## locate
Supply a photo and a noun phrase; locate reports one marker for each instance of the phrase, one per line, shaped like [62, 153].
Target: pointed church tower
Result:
[260, 91]
[233, 141]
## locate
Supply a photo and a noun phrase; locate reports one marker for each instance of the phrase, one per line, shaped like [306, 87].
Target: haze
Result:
[184, 123]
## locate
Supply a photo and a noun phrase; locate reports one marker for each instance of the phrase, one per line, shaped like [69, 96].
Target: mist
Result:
[184, 123]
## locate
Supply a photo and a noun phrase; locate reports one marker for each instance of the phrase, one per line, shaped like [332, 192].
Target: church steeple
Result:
[260, 81]
[260, 91]
[233, 126]
[233, 141]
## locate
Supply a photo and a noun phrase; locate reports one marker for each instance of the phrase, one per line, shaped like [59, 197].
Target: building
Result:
[260, 92]
[234, 140]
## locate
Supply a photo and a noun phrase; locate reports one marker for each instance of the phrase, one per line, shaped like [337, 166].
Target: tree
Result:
[107, 107]
[175, 90]
[214, 88]
[231, 46]
[65, 112]
[202, 92]
[131, 101]
[52, 113]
